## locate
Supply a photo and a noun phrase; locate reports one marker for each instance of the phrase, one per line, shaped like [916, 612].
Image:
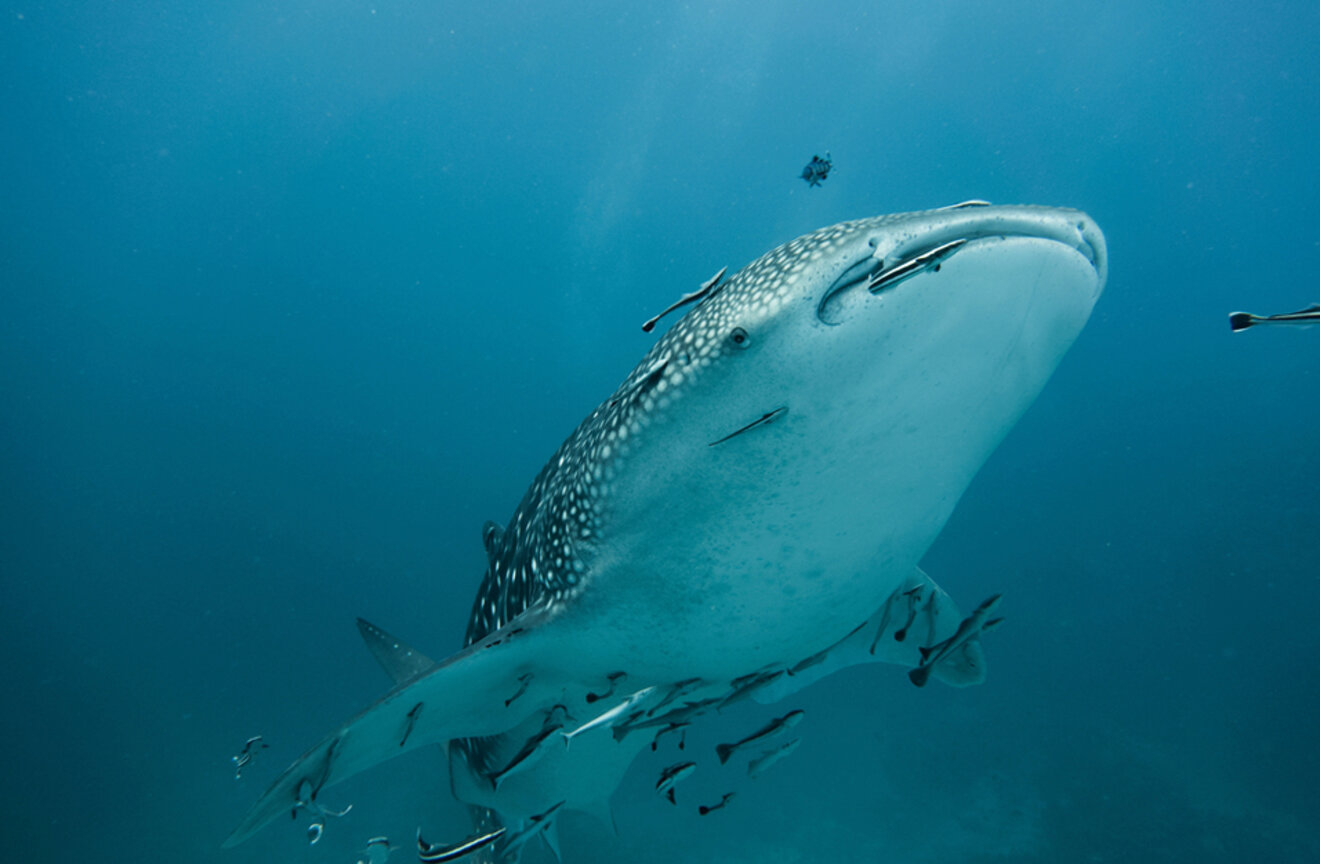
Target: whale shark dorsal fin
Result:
[491, 535]
[401, 661]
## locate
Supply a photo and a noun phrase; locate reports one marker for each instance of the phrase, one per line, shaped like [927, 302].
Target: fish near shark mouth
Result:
[879, 275]
[893, 262]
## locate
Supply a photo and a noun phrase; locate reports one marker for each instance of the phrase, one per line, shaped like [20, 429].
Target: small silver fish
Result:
[682, 688]
[905, 270]
[711, 808]
[431, 853]
[672, 727]
[244, 758]
[681, 715]
[1239, 321]
[611, 715]
[614, 679]
[671, 776]
[378, 851]
[539, 824]
[913, 596]
[760, 764]
[306, 800]
[523, 681]
[765, 733]
[533, 750]
[971, 627]
[701, 292]
[821, 656]
[746, 685]
[410, 722]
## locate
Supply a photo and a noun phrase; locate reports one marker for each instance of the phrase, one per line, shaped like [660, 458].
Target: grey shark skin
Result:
[655, 543]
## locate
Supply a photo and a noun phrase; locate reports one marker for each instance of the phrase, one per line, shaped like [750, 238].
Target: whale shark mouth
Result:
[887, 267]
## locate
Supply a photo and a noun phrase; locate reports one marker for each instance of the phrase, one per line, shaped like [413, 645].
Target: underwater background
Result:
[296, 295]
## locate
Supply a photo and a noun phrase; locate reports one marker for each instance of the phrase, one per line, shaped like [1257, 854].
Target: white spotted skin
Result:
[680, 559]
[677, 559]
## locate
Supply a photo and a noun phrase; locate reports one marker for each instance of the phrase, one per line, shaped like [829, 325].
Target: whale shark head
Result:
[816, 418]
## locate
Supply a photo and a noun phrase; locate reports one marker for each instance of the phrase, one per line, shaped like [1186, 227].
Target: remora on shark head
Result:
[682, 538]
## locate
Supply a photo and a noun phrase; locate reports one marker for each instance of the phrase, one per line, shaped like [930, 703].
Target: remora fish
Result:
[746, 685]
[540, 823]
[611, 715]
[766, 732]
[679, 689]
[644, 547]
[244, 758]
[378, 851]
[532, 751]
[704, 809]
[762, 763]
[671, 777]
[680, 716]
[971, 627]
[1240, 321]
[700, 293]
[432, 853]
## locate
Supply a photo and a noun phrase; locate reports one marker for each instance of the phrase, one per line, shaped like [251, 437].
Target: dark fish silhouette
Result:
[817, 169]
[1240, 321]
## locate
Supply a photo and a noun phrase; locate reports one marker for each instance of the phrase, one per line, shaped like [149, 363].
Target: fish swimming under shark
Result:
[772, 757]
[971, 628]
[757, 493]
[775, 727]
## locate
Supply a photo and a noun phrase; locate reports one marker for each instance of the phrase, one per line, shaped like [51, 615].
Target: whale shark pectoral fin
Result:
[937, 618]
[399, 659]
[919, 609]
[962, 667]
[461, 696]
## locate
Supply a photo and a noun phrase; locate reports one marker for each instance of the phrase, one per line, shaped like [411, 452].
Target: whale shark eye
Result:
[739, 337]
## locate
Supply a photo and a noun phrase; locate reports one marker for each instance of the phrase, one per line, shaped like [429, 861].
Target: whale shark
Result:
[744, 515]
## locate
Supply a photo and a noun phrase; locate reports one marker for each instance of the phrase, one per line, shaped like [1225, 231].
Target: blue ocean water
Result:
[296, 295]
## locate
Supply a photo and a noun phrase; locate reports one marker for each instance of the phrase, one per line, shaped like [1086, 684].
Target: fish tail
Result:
[724, 751]
[1240, 321]
[919, 675]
